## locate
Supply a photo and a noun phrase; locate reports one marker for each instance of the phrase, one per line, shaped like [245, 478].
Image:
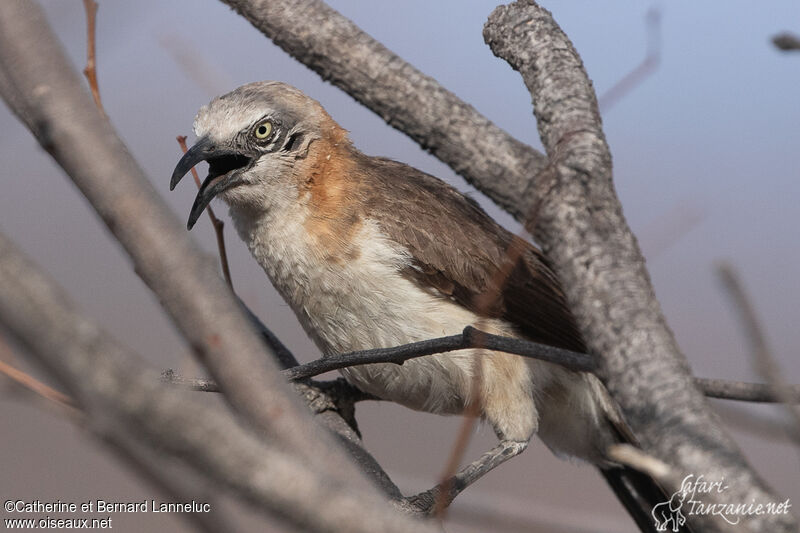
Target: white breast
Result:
[366, 303]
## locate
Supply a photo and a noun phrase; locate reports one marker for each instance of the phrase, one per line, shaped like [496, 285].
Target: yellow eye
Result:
[263, 130]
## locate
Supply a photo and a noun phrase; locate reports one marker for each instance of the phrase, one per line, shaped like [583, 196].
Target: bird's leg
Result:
[445, 492]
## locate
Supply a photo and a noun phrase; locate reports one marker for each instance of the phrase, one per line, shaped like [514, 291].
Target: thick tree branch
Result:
[580, 225]
[174, 482]
[125, 403]
[283, 355]
[408, 100]
[41, 88]
[145, 462]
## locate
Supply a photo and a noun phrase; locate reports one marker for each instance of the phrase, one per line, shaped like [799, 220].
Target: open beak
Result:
[224, 165]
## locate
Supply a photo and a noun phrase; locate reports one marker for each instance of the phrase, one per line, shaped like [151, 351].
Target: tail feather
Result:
[638, 492]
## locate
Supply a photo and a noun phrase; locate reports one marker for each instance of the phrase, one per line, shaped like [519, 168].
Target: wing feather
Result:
[463, 254]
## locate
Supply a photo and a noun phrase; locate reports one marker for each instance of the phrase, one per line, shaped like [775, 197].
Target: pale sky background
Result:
[705, 162]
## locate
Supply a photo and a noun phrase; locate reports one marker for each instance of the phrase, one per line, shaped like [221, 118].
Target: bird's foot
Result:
[433, 500]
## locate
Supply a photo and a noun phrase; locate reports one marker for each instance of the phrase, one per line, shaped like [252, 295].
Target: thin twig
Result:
[445, 496]
[217, 223]
[665, 230]
[712, 388]
[284, 356]
[469, 338]
[745, 392]
[484, 302]
[201, 72]
[195, 384]
[343, 389]
[741, 418]
[32, 384]
[91, 65]
[763, 360]
[643, 70]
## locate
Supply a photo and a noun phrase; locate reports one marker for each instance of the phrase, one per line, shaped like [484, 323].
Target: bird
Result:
[373, 253]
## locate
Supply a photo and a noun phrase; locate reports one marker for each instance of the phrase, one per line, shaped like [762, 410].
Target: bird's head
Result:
[252, 139]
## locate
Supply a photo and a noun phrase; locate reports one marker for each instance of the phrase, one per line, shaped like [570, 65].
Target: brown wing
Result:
[461, 252]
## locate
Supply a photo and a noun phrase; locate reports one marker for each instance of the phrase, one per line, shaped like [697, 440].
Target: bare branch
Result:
[713, 388]
[283, 355]
[194, 384]
[91, 65]
[763, 360]
[743, 419]
[585, 236]
[218, 225]
[200, 72]
[745, 392]
[408, 100]
[143, 460]
[173, 481]
[469, 338]
[665, 230]
[450, 486]
[34, 385]
[128, 403]
[40, 87]
[644, 69]
[447, 490]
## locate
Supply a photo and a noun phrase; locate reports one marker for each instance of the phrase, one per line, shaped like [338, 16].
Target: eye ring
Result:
[263, 130]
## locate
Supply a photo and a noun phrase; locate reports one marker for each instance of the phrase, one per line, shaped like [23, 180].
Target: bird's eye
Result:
[263, 130]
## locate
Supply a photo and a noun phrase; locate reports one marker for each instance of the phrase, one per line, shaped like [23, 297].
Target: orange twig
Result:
[91, 66]
[217, 223]
[484, 303]
[33, 384]
[460, 445]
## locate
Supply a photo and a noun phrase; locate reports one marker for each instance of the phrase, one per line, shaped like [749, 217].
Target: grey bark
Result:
[47, 95]
[746, 392]
[469, 338]
[580, 225]
[408, 100]
[128, 404]
[175, 482]
[579, 222]
[580, 167]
